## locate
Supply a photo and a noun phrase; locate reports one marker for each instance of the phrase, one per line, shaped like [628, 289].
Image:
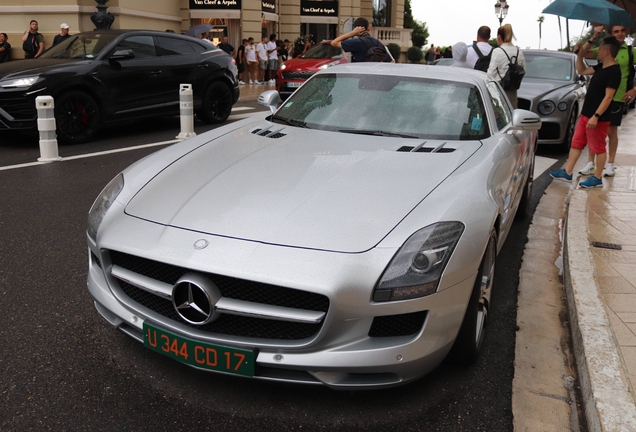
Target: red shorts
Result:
[595, 137]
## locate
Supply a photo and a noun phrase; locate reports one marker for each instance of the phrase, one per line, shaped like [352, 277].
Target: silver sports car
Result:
[349, 238]
[553, 89]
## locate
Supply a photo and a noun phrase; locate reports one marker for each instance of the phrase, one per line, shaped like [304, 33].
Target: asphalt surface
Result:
[62, 367]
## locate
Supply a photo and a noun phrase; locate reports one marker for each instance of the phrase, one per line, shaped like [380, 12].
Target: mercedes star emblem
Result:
[194, 298]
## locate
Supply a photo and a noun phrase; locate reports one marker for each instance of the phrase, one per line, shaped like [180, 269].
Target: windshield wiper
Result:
[290, 122]
[377, 133]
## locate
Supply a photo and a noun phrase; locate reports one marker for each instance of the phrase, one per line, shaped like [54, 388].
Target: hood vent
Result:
[426, 149]
[269, 132]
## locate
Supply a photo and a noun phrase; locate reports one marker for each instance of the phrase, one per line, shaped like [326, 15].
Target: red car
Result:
[293, 73]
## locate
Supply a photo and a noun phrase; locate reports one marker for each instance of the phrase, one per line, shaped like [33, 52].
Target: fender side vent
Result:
[425, 149]
[268, 133]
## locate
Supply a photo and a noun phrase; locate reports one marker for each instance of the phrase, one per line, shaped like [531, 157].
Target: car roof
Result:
[411, 70]
[548, 53]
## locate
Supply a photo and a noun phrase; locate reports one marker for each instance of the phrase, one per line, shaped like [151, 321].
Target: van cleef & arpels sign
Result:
[268, 6]
[215, 4]
[319, 8]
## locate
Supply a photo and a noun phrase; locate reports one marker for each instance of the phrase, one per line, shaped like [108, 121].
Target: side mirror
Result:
[269, 98]
[125, 54]
[524, 120]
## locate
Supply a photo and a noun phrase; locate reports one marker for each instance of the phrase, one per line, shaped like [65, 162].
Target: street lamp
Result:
[501, 10]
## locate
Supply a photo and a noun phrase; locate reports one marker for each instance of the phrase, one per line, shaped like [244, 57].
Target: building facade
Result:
[236, 19]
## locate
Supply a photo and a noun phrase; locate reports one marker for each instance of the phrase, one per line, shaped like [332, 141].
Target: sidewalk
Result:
[600, 287]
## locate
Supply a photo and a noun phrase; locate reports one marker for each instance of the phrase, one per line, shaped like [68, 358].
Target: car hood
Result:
[301, 188]
[14, 69]
[301, 64]
[533, 88]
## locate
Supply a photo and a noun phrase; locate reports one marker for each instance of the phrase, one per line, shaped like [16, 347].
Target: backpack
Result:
[31, 45]
[375, 53]
[514, 74]
[483, 61]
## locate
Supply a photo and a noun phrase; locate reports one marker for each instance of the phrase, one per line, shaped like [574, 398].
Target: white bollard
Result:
[186, 112]
[46, 127]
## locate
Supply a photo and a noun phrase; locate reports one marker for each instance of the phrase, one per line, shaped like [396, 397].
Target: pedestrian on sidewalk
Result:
[594, 121]
[501, 58]
[240, 61]
[625, 94]
[481, 45]
[226, 47]
[64, 28]
[360, 46]
[32, 41]
[5, 48]
[252, 61]
[261, 54]
[272, 59]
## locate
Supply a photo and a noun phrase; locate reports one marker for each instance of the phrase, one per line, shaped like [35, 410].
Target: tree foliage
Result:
[394, 49]
[414, 55]
[420, 34]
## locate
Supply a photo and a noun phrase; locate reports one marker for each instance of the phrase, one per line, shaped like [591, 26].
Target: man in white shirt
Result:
[483, 36]
[272, 55]
[261, 53]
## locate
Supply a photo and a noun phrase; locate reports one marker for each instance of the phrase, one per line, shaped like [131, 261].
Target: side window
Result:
[173, 46]
[503, 113]
[197, 47]
[142, 46]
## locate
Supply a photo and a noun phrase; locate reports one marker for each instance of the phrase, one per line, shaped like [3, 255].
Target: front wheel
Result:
[216, 105]
[77, 117]
[470, 338]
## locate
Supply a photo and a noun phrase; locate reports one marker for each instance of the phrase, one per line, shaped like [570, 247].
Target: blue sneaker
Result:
[561, 174]
[591, 182]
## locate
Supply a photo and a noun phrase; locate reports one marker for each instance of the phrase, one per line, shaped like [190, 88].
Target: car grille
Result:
[549, 131]
[398, 325]
[19, 108]
[289, 75]
[234, 288]
[523, 104]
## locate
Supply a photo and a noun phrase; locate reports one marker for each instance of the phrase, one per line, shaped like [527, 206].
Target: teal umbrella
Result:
[595, 11]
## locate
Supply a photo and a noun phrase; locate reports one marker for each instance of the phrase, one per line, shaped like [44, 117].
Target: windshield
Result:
[323, 51]
[81, 46]
[391, 105]
[549, 68]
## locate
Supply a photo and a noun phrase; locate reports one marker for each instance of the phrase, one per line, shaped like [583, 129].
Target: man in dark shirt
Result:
[594, 120]
[5, 48]
[225, 46]
[355, 45]
[63, 34]
[32, 41]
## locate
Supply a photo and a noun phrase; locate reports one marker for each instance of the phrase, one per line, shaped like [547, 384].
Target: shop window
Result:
[382, 13]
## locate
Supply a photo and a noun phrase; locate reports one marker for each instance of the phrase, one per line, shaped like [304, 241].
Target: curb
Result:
[607, 402]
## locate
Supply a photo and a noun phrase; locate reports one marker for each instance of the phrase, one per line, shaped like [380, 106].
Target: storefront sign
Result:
[327, 8]
[268, 6]
[215, 4]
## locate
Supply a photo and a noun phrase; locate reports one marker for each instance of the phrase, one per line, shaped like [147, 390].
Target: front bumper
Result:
[344, 353]
[17, 110]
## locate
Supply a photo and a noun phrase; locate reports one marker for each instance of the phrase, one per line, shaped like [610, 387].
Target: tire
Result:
[470, 338]
[524, 203]
[569, 133]
[77, 117]
[216, 105]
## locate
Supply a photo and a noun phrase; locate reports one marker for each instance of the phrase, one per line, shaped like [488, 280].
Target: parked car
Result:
[553, 89]
[294, 72]
[349, 238]
[104, 76]
[444, 62]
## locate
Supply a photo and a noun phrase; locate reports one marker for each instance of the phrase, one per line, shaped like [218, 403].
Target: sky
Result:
[447, 27]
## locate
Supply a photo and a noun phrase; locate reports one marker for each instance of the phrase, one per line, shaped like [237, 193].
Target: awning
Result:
[308, 19]
[211, 13]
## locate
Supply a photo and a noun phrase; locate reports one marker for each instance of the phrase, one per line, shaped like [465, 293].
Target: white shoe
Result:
[272, 81]
[588, 169]
[260, 83]
[251, 82]
[241, 83]
[609, 170]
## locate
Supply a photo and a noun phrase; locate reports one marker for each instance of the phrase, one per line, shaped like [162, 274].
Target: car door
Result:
[135, 85]
[182, 63]
[514, 151]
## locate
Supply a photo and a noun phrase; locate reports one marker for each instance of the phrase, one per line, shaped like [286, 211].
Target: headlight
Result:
[283, 66]
[546, 107]
[563, 106]
[417, 267]
[325, 66]
[20, 82]
[102, 204]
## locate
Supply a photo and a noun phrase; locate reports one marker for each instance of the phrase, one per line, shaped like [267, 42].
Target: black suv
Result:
[105, 76]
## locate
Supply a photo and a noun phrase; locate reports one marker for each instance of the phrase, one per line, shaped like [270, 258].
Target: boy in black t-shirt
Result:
[594, 121]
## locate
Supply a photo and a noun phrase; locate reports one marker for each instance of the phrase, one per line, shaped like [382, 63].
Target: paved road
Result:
[62, 367]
